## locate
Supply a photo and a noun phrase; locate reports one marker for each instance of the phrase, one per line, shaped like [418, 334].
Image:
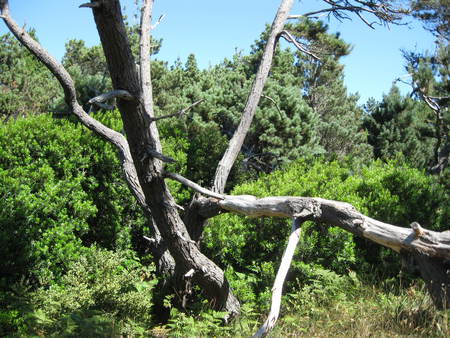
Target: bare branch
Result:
[344, 215]
[179, 113]
[160, 19]
[288, 36]
[90, 5]
[155, 154]
[123, 94]
[145, 72]
[230, 155]
[274, 102]
[384, 11]
[335, 213]
[277, 288]
[144, 48]
[193, 185]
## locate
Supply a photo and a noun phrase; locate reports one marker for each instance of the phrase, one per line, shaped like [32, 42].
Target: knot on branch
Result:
[418, 230]
[305, 209]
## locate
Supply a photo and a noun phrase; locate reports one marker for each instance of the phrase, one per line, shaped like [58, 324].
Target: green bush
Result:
[108, 291]
[44, 210]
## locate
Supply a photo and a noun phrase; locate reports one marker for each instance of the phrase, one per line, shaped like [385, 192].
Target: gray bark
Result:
[230, 155]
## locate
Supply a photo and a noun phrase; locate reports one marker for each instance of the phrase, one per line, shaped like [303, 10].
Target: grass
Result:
[371, 312]
[365, 312]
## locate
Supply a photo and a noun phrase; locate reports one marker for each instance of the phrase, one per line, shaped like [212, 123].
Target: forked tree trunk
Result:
[141, 136]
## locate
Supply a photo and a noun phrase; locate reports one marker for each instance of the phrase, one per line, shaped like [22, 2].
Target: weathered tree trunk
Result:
[142, 135]
[430, 249]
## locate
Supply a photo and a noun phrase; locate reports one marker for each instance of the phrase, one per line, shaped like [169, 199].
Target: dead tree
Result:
[175, 247]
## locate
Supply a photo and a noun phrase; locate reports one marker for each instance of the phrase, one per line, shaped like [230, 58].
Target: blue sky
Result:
[213, 30]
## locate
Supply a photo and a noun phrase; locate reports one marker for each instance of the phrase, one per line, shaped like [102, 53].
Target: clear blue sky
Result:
[213, 30]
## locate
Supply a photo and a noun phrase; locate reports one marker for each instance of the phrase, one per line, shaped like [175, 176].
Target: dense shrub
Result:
[103, 293]
[61, 190]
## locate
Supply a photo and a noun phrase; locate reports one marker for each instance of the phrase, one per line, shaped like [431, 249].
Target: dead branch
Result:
[277, 288]
[160, 19]
[288, 36]
[123, 94]
[179, 113]
[274, 102]
[193, 185]
[334, 213]
[235, 145]
[384, 11]
[145, 73]
[152, 153]
[90, 5]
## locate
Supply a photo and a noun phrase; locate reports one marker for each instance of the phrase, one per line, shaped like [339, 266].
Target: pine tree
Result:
[399, 126]
[26, 86]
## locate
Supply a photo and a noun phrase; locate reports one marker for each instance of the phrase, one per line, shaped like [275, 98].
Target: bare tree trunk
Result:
[236, 142]
[430, 249]
[142, 134]
[435, 271]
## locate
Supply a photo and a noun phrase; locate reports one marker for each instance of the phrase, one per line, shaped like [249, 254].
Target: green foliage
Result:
[88, 68]
[26, 86]
[61, 190]
[399, 126]
[43, 209]
[103, 293]
[207, 323]
[304, 109]
[340, 117]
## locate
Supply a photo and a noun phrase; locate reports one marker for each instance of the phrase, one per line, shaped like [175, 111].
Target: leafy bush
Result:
[108, 291]
[44, 210]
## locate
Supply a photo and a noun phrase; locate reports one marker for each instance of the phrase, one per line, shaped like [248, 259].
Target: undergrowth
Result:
[319, 309]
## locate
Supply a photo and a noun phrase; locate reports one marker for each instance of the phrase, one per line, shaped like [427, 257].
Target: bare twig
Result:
[153, 153]
[151, 240]
[193, 185]
[179, 113]
[160, 19]
[274, 102]
[340, 9]
[123, 94]
[288, 36]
